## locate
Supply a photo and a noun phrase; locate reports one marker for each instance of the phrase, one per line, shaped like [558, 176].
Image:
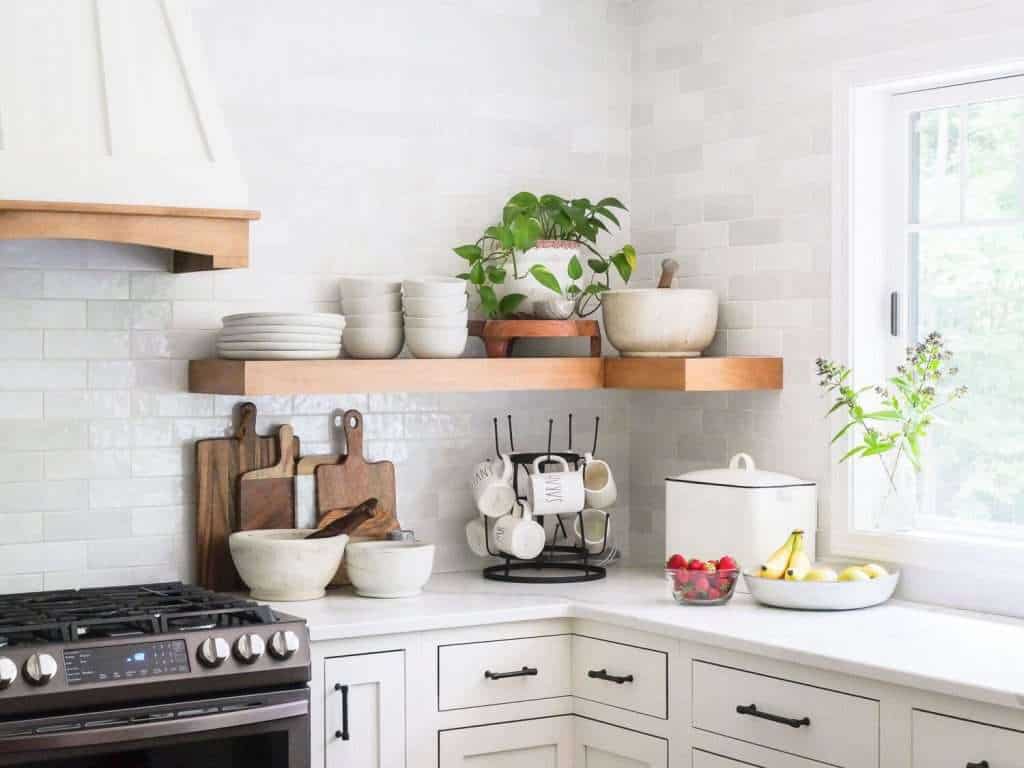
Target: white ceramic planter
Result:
[553, 254]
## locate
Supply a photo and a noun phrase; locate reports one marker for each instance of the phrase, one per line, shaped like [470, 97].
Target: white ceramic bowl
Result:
[431, 307]
[821, 595]
[389, 568]
[375, 320]
[283, 565]
[457, 320]
[439, 287]
[660, 322]
[437, 342]
[384, 302]
[358, 286]
[373, 343]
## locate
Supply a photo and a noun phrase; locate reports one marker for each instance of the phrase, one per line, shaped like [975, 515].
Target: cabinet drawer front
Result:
[503, 671]
[941, 741]
[702, 759]
[620, 675]
[842, 729]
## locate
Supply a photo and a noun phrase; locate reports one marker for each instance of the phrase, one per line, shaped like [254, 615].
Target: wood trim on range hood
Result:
[200, 238]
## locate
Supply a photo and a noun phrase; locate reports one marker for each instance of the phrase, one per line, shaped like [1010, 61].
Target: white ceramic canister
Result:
[740, 511]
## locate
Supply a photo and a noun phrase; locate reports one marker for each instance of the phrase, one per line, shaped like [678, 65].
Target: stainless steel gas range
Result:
[152, 676]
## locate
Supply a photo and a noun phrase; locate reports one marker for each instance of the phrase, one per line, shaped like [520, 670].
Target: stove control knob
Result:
[40, 668]
[283, 645]
[8, 672]
[213, 652]
[248, 648]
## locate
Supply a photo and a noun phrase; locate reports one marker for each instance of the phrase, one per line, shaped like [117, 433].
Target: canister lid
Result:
[747, 476]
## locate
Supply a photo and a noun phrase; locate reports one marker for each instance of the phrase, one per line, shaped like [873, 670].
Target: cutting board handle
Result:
[246, 430]
[352, 421]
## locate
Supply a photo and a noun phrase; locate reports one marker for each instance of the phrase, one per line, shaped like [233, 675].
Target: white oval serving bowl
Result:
[660, 322]
[358, 286]
[821, 595]
[432, 307]
[389, 568]
[439, 287]
[373, 343]
[375, 320]
[282, 565]
[366, 305]
[437, 342]
[457, 320]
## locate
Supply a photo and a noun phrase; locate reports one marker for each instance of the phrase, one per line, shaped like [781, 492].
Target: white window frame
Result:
[867, 226]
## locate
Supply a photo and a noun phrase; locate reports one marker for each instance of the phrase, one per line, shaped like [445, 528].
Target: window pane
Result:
[935, 175]
[970, 285]
[994, 156]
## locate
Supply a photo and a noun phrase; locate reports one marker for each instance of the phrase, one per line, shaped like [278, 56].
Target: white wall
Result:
[374, 137]
[732, 158]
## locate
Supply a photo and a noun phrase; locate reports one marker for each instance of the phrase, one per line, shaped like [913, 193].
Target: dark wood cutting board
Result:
[341, 487]
[267, 496]
[220, 463]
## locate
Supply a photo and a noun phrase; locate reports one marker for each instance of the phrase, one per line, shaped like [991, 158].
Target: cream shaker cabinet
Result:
[600, 745]
[545, 742]
[364, 711]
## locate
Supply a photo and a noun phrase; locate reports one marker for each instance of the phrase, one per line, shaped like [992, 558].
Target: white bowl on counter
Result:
[437, 342]
[439, 287]
[373, 343]
[821, 595]
[389, 568]
[432, 307]
[357, 286]
[375, 320]
[282, 565]
[660, 322]
[385, 302]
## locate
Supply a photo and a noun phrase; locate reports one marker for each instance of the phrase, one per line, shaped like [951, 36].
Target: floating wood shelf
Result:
[697, 374]
[201, 238]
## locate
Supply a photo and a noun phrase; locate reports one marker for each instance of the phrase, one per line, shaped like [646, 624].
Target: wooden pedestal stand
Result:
[500, 335]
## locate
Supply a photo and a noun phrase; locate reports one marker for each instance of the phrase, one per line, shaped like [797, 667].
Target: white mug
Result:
[492, 487]
[520, 535]
[598, 483]
[595, 522]
[476, 537]
[555, 493]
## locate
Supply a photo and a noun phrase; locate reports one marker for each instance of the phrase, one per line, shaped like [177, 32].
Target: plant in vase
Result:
[894, 428]
[510, 265]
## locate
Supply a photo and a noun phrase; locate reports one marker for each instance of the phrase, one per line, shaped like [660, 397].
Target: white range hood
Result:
[106, 109]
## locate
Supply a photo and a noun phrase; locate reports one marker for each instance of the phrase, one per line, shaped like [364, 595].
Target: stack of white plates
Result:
[373, 313]
[436, 316]
[281, 336]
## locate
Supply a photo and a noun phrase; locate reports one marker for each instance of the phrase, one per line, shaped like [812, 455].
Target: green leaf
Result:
[510, 303]
[496, 274]
[838, 435]
[630, 253]
[877, 448]
[622, 266]
[596, 289]
[575, 268]
[543, 276]
[476, 274]
[884, 416]
[851, 453]
[608, 215]
[501, 234]
[525, 232]
[600, 266]
[553, 202]
[463, 275]
[488, 300]
[573, 290]
[469, 252]
[611, 202]
[526, 201]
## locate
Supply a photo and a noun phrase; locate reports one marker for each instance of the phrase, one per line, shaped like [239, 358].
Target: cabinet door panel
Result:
[542, 743]
[365, 701]
[702, 759]
[599, 745]
[941, 741]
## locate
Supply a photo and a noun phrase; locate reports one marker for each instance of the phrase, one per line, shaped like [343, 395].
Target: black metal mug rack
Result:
[557, 563]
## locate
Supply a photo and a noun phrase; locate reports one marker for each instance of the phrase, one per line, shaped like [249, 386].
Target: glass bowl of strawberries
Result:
[702, 582]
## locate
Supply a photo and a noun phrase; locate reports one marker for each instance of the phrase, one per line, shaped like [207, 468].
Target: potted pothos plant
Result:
[538, 251]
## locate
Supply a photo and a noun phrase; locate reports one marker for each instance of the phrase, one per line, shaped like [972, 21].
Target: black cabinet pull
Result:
[343, 733]
[524, 672]
[981, 764]
[602, 674]
[792, 722]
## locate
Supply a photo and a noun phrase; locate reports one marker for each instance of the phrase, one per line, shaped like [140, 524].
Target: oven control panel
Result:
[117, 663]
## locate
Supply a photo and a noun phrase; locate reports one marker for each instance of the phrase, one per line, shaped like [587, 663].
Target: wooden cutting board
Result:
[266, 497]
[341, 487]
[220, 463]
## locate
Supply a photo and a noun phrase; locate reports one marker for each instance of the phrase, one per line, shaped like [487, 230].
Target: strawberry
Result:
[696, 565]
[682, 577]
[701, 584]
[714, 594]
[691, 595]
[727, 564]
[676, 562]
[710, 566]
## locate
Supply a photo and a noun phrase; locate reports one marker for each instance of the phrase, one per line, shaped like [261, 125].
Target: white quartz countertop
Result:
[951, 652]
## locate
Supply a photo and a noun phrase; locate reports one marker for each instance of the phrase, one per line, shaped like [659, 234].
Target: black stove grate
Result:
[33, 618]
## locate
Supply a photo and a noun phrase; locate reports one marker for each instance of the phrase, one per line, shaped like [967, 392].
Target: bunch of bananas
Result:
[790, 562]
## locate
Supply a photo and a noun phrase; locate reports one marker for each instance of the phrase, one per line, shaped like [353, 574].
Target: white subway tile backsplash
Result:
[21, 283]
[21, 405]
[21, 526]
[18, 375]
[44, 556]
[91, 404]
[76, 284]
[22, 313]
[88, 345]
[134, 551]
[111, 374]
[25, 345]
[83, 524]
[138, 492]
[43, 495]
[69, 465]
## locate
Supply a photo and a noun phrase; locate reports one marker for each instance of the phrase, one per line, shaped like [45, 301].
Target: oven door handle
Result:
[178, 726]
